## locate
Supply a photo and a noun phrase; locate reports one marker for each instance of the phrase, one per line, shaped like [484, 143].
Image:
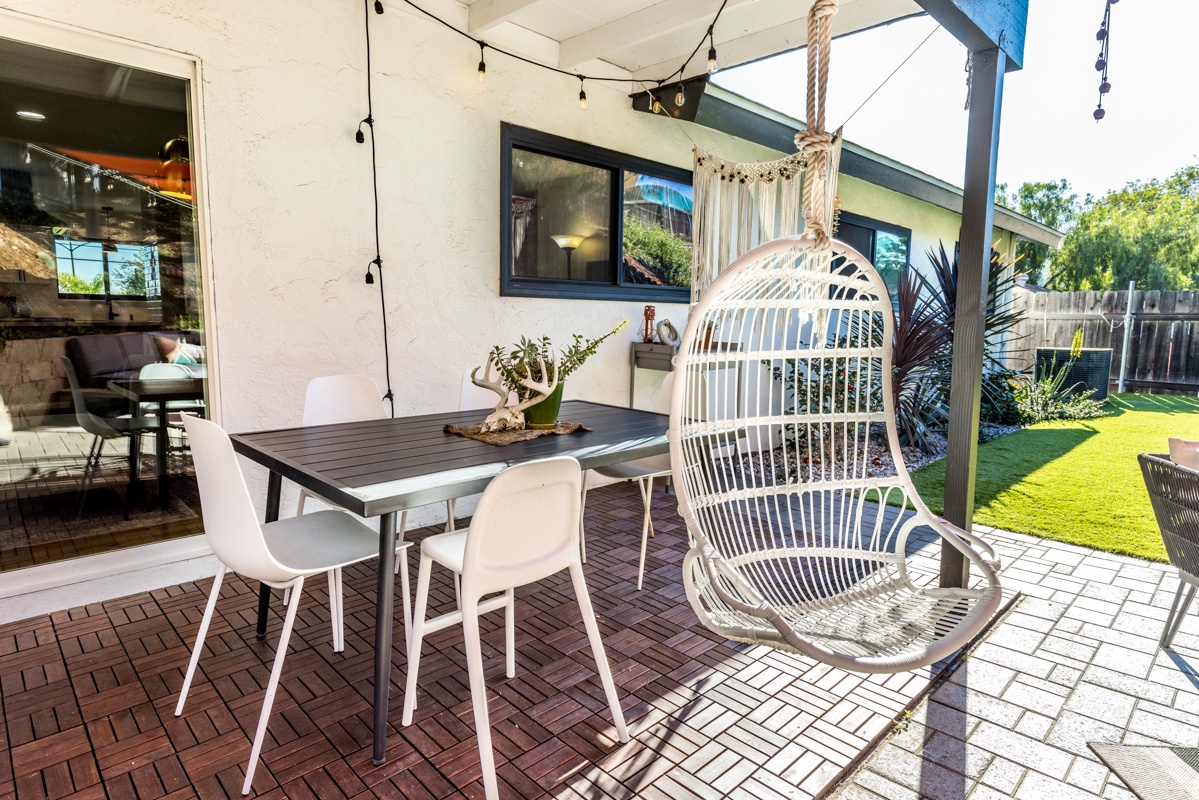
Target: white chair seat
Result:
[654, 466]
[446, 548]
[320, 541]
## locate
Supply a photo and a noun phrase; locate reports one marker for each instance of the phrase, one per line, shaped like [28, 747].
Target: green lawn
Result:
[1077, 482]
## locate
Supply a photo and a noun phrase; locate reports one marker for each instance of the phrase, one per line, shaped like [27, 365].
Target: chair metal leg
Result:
[597, 650]
[335, 610]
[647, 525]
[1177, 611]
[273, 684]
[478, 694]
[93, 454]
[510, 633]
[582, 524]
[449, 515]
[416, 636]
[300, 503]
[213, 593]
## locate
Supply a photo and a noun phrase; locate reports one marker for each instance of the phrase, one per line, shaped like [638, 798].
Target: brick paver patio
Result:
[88, 693]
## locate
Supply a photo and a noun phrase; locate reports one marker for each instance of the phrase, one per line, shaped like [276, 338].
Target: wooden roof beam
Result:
[487, 14]
[984, 25]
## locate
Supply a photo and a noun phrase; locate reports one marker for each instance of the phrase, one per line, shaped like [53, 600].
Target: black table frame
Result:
[383, 467]
[159, 391]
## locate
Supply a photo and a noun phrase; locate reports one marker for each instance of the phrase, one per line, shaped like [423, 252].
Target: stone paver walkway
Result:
[1075, 661]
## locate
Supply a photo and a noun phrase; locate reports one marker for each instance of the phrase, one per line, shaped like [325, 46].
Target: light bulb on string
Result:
[711, 51]
[582, 94]
[679, 97]
[482, 61]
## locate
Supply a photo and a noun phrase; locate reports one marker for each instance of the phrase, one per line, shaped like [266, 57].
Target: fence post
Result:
[1132, 286]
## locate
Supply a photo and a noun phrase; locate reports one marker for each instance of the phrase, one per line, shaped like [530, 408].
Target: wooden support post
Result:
[978, 212]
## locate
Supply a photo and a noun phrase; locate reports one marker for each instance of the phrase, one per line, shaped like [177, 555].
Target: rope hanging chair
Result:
[786, 362]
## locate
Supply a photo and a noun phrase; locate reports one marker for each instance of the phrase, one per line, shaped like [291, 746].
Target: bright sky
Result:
[1152, 123]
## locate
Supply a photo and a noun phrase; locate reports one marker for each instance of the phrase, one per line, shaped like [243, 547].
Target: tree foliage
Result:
[1148, 232]
[1051, 203]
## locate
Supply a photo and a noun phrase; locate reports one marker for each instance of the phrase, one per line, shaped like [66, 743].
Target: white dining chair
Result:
[335, 399]
[280, 554]
[525, 529]
[102, 430]
[644, 471]
[470, 398]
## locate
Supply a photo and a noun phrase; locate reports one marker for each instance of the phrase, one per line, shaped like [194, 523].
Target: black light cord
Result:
[678, 73]
[377, 261]
[1101, 64]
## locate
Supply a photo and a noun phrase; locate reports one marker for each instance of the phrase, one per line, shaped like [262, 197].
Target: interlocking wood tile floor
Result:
[88, 695]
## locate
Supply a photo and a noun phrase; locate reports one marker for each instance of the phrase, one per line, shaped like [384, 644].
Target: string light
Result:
[377, 261]
[679, 73]
[482, 61]
[1103, 36]
[679, 97]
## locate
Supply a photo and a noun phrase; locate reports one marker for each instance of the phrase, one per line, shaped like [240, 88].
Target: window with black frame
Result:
[580, 221]
[889, 247]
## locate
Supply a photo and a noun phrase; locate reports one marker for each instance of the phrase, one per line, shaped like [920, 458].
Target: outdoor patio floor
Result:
[88, 694]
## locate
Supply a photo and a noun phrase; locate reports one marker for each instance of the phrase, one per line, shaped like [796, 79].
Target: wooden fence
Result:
[1163, 352]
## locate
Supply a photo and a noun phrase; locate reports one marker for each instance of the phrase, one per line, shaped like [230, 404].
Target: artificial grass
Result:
[1076, 482]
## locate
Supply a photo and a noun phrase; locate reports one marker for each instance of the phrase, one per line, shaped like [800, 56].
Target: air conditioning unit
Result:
[1091, 370]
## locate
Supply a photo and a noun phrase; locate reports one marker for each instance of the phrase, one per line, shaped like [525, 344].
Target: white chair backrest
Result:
[83, 417]
[230, 521]
[698, 389]
[472, 397]
[342, 398]
[526, 526]
[164, 371]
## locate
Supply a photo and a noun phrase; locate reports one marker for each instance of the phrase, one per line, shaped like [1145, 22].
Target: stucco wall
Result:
[289, 195]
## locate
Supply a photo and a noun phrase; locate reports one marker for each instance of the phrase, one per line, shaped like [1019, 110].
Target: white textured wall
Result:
[289, 195]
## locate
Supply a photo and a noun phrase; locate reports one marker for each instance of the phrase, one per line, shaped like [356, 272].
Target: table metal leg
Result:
[274, 487]
[384, 610]
[161, 442]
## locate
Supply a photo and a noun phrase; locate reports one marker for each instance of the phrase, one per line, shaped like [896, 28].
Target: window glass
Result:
[657, 231]
[583, 222]
[561, 219]
[99, 275]
[890, 258]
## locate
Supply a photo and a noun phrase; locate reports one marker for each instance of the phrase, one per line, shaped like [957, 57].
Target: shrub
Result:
[1049, 399]
[660, 251]
[999, 406]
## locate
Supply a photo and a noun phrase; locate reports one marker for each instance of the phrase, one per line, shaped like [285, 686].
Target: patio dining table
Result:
[379, 468]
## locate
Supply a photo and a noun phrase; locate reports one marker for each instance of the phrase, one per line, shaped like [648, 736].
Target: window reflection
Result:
[561, 218]
[657, 231]
[99, 285]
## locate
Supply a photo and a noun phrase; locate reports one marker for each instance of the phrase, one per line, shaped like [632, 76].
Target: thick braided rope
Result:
[814, 142]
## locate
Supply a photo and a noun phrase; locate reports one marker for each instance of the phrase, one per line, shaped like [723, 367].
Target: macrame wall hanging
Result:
[740, 206]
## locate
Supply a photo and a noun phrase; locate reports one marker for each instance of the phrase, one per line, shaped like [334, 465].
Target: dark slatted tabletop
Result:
[159, 389]
[387, 465]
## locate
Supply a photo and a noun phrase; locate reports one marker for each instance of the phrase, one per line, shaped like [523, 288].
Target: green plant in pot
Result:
[529, 360]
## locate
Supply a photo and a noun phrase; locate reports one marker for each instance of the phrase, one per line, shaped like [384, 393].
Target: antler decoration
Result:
[513, 418]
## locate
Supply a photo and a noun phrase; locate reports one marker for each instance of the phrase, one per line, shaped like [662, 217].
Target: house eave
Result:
[731, 113]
